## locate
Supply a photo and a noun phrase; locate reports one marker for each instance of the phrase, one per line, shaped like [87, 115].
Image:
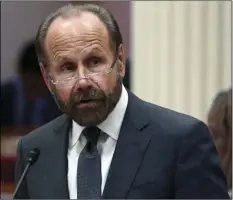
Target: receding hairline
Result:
[78, 17]
[104, 15]
[69, 14]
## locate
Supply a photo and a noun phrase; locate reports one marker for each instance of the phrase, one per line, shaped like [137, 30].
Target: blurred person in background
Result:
[25, 100]
[220, 124]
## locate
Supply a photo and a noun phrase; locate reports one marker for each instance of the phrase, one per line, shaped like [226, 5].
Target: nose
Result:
[83, 82]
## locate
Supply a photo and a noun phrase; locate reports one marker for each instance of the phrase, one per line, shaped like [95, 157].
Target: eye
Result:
[95, 61]
[67, 67]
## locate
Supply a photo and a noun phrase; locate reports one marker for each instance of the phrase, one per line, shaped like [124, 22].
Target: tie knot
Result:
[92, 134]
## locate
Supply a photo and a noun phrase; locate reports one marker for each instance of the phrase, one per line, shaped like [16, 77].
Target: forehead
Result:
[79, 32]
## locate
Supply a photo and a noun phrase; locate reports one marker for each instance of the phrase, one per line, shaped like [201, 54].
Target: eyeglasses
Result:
[68, 79]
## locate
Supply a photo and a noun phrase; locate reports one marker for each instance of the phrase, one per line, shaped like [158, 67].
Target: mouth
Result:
[88, 103]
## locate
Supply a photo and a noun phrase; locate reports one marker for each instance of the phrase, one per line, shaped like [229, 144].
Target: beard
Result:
[95, 113]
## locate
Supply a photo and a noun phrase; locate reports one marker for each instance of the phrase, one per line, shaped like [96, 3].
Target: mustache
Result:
[91, 94]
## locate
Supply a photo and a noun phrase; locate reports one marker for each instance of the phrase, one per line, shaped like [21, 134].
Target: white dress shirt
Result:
[110, 129]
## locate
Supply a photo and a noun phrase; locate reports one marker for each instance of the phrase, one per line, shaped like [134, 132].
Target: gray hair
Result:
[70, 10]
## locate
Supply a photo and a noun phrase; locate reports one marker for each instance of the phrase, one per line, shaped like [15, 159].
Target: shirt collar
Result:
[111, 125]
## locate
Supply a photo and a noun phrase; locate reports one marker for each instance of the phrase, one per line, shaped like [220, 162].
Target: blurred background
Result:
[178, 56]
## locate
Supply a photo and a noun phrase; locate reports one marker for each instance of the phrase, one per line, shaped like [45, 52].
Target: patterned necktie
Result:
[89, 167]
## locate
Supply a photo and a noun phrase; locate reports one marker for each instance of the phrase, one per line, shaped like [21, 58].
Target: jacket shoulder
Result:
[168, 121]
[44, 132]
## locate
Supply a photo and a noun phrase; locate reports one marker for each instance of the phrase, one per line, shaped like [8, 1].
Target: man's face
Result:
[76, 47]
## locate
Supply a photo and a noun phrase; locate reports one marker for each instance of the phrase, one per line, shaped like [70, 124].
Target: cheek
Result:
[63, 94]
[107, 82]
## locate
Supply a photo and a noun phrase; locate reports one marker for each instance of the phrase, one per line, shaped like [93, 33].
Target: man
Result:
[25, 100]
[109, 143]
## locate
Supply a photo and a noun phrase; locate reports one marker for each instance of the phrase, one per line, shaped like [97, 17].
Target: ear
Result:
[121, 60]
[45, 76]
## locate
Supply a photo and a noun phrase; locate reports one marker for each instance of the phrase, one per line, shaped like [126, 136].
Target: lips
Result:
[87, 103]
[86, 100]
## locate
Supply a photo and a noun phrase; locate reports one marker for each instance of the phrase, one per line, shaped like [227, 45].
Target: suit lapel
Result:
[130, 149]
[58, 186]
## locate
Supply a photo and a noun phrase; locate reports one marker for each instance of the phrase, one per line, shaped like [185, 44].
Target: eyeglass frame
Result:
[85, 77]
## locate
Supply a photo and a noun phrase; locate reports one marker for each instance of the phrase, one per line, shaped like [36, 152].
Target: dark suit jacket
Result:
[159, 154]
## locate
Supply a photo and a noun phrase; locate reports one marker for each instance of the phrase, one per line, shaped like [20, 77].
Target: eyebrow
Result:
[95, 50]
[64, 58]
[60, 60]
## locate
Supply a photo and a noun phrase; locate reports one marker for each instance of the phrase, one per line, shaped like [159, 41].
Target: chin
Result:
[90, 118]
[89, 121]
